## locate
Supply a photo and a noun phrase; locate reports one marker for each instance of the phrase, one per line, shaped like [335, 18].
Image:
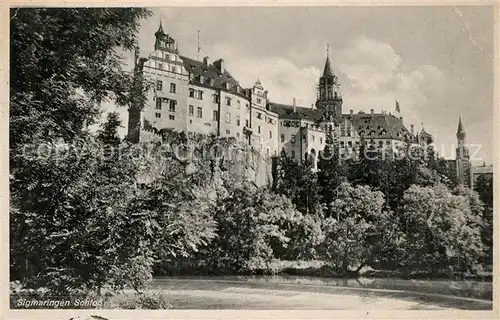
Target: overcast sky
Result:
[436, 61]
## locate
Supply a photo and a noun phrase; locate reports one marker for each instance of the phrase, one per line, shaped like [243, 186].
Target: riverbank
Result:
[285, 293]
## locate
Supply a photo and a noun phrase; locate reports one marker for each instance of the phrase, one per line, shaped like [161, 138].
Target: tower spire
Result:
[460, 129]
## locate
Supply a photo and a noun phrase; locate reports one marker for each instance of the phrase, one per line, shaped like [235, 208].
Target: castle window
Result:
[158, 104]
[238, 122]
[160, 66]
[191, 110]
[270, 134]
[171, 117]
[228, 117]
[293, 154]
[259, 100]
[228, 131]
[215, 98]
[247, 123]
[215, 115]
[381, 144]
[320, 140]
[259, 115]
[228, 101]
[292, 140]
[172, 105]
[258, 129]
[199, 112]
[238, 104]
[158, 115]
[191, 93]
[200, 95]
[172, 87]
[349, 144]
[159, 85]
[313, 138]
[282, 137]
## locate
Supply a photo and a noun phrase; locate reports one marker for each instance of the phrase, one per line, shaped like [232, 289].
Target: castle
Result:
[202, 97]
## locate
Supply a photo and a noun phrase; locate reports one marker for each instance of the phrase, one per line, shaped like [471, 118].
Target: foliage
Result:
[390, 172]
[356, 227]
[69, 227]
[299, 183]
[252, 223]
[332, 169]
[441, 231]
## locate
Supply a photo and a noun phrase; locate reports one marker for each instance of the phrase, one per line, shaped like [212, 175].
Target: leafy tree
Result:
[298, 182]
[441, 231]
[484, 187]
[332, 171]
[390, 172]
[68, 228]
[357, 228]
[252, 223]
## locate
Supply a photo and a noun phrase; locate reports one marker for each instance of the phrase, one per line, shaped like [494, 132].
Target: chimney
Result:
[351, 112]
[294, 106]
[220, 65]
[412, 129]
[206, 61]
[372, 111]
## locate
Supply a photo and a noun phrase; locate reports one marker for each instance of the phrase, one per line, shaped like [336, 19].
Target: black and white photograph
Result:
[251, 158]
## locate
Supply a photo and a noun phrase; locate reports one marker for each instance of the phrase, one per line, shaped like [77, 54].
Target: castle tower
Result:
[329, 94]
[164, 41]
[462, 156]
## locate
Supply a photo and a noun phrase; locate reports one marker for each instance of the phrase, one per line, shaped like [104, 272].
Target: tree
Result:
[441, 231]
[68, 223]
[332, 171]
[484, 187]
[252, 224]
[356, 228]
[298, 182]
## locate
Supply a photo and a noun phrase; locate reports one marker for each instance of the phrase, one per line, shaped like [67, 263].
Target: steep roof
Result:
[381, 125]
[285, 111]
[199, 68]
[460, 129]
[327, 71]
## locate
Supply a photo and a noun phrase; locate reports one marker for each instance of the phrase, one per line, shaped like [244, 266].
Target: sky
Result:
[436, 61]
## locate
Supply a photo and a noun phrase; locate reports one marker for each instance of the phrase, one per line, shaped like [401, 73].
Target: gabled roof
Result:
[285, 111]
[199, 68]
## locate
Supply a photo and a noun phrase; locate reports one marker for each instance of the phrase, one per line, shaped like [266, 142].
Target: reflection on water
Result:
[464, 288]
